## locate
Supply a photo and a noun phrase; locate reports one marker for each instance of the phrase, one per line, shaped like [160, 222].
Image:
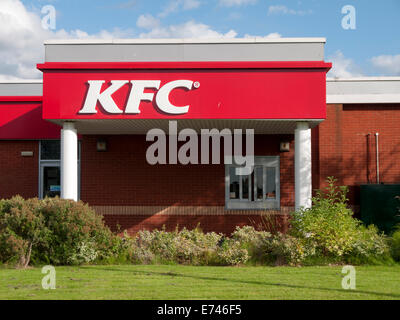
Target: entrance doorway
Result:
[50, 176]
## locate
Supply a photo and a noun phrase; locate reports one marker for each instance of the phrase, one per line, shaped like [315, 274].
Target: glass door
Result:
[50, 176]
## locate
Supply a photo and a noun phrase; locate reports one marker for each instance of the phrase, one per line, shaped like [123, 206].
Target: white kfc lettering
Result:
[135, 97]
[104, 98]
[162, 98]
[137, 94]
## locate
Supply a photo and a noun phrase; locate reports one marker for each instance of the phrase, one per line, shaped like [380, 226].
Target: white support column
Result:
[69, 162]
[302, 165]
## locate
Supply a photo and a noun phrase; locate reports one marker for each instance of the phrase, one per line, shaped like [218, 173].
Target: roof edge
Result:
[188, 65]
[22, 81]
[183, 41]
[360, 79]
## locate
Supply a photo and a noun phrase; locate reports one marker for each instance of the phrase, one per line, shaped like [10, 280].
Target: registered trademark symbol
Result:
[196, 84]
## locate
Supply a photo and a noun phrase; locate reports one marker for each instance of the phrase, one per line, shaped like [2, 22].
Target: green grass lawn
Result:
[186, 282]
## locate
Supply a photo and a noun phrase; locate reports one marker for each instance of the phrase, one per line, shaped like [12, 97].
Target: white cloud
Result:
[232, 3]
[281, 9]
[343, 67]
[189, 29]
[5, 77]
[175, 5]
[22, 36]
[387, 64]
[147, 21]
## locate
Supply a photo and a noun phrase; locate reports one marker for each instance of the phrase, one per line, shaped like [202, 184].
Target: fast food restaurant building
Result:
[81, 132]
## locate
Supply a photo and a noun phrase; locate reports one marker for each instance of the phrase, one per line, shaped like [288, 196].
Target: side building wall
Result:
[347, 146]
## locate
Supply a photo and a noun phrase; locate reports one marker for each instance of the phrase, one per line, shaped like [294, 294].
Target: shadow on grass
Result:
[262, 283]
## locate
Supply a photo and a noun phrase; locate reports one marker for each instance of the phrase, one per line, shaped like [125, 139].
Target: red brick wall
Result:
[122, 177]
[18, 175]
[348, 153]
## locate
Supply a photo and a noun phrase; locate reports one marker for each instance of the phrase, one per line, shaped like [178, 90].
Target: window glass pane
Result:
[51, 181]
[270, 191]
[259, 190]
[245, 187]
[234, 184]
[50, 150]
[258, 173]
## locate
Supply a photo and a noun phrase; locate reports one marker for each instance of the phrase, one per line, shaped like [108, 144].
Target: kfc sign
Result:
[135, 96]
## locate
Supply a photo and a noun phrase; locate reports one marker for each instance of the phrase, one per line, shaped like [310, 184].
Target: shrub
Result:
[329, 223]
[196, 247]
[65, 232]
[22, 229]
[85, 253]
[286, 249]
[13, 249]
[255, 242]
[276, 249]
[395, 241]
[53, 231]
[142, 256]
[232, 253]
[73, 223]
[329, 226]
[185, 246]
[369, 243]
[395, 244]
[248, 234]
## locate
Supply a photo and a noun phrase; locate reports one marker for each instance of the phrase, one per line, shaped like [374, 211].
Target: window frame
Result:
[256, 204]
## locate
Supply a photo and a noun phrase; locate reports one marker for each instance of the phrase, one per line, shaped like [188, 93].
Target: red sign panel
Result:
[191, 90]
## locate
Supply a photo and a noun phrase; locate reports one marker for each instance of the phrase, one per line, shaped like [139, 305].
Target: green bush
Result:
[330, 228]
[192, 247]
[197, 248]
[231, 252]
[285, 249]
[255, 242]
[395, 245]
[369, 247]
[53, 231]
[63, 232]
[22, 230]
[395, 241]
[249, 235]
[185, 246]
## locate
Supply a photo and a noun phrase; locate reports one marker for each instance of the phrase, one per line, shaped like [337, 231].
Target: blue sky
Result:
[373, 48]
